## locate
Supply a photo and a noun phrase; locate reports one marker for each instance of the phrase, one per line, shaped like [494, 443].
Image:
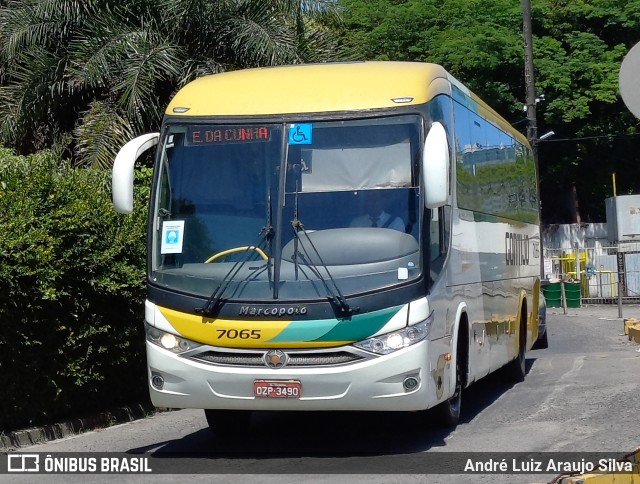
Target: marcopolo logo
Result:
[277, 311]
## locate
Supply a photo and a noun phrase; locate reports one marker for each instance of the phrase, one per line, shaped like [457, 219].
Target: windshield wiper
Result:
[335, 296]
[211, 306]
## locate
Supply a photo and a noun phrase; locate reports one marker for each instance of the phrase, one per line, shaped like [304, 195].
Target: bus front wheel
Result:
[447, 413]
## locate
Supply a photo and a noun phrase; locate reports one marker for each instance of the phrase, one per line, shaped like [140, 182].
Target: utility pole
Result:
[532, 122]
[532, 126]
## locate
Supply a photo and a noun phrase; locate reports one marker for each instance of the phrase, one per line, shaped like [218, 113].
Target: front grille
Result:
[231, 359]
[297, 359]
[323, 359]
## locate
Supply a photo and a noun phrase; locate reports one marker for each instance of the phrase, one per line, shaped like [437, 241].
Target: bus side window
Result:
[438, 238]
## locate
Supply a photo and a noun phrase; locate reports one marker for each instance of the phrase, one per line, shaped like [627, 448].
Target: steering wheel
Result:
[233, 250]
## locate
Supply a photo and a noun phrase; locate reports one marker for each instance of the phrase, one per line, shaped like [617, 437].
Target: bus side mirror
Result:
[122, 172]
[435, 167]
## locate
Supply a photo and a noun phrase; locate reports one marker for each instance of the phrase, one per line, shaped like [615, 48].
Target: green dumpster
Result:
[572, 294]
[552, 295]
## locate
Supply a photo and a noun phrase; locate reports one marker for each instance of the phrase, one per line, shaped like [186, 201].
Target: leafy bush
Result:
[72, 275]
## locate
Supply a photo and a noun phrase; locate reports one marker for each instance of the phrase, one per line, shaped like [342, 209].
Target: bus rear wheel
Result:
[515, 370]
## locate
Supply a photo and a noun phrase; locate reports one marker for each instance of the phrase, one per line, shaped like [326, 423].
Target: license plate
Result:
[277, 388]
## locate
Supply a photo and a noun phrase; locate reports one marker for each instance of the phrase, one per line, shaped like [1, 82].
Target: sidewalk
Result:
[608, 311]
[37, 435]
[629, 322]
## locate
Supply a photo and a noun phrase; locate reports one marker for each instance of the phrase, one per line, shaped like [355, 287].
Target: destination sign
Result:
[228, 134]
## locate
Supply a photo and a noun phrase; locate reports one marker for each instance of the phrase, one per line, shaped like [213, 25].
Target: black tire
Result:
[447, 413]
[228, 423]
[515, 370]
[542, 342]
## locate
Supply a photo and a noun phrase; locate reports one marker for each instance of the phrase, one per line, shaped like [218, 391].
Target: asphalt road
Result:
[582, 394]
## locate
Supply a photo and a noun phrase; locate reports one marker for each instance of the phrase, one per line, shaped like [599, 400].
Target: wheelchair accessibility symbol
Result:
[300, 134]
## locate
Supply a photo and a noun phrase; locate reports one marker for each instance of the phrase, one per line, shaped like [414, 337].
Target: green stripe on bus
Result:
[357, 328]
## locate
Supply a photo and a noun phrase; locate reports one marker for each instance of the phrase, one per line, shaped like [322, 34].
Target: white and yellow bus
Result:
[269, 285]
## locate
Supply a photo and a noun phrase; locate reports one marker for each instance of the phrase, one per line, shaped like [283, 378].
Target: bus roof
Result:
[308, 88]
[318, 88]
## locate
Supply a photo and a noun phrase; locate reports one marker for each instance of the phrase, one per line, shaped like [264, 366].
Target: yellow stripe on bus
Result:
[236, 333]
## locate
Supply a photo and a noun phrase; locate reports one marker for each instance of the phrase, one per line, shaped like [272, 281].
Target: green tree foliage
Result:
[478, 41]
[72, 277]
[103, 70]
[578, 48]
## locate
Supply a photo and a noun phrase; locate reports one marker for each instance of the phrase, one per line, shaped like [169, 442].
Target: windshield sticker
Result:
[172, 236]
[300, 134]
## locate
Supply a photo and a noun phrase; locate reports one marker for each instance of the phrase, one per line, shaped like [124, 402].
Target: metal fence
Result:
[605, 274]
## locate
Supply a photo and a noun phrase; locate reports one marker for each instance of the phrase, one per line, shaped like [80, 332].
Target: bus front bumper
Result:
[378, 384]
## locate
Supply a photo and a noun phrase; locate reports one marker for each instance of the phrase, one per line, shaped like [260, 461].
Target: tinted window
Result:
[495, 172]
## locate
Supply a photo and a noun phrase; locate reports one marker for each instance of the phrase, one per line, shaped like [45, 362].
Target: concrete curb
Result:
[628, 322]
[632, 329]
[37, 435]
[632, 477]
[634, 332]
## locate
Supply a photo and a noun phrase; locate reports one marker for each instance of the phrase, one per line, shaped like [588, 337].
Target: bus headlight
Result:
[388, 343]
[169, 341]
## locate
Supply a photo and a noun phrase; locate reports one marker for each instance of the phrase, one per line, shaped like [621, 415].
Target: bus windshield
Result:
[309, 208]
